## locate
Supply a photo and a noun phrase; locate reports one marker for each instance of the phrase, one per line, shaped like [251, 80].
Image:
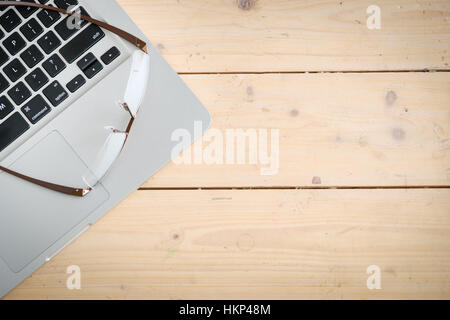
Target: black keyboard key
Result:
[48, 17]
[54, 65]
[15, 70]
[12, 129]
[36, 109]
[4, 84]
[2, 34]
[69, 26]
[32, 56]
[31, 29]
[6, 107]
[111, 55]
[86, 61]
[93, 69]
[55, 93]
[26, 11]
[36, 79]
[19, 93]
[10, 20]
[3, 57]
[76, 83]
[65, 4]
[49, 42]
[82, 43]
[14, 43]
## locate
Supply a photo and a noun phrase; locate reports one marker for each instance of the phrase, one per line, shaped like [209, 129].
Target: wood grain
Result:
[295, 35]
[362, 129]
[259, 244]
[387, 129]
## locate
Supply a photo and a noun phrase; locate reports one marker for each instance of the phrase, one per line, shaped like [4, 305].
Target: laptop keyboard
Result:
[36, 46]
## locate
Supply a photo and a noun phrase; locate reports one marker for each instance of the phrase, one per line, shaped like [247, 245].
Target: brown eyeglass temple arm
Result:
[71, 191]
[142, 45]
[78, 192]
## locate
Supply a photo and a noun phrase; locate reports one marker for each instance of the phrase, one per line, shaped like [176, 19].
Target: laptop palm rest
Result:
[32, 218]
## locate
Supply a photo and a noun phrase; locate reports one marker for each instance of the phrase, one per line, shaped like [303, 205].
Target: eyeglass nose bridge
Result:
[115, 130]
[125, 106]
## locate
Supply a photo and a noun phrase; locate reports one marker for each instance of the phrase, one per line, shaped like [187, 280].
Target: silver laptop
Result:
[60, 92]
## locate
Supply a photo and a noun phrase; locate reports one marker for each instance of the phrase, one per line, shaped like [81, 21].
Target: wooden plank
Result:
[295, 35]
[388, 129]
[259, 244]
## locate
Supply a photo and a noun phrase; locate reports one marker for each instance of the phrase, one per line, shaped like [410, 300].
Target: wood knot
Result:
[391, 97]
[316, 180]
[246, 4]
[398, 134]
[245, 242]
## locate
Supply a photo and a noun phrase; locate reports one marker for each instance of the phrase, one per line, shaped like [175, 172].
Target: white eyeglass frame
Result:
[116, 140]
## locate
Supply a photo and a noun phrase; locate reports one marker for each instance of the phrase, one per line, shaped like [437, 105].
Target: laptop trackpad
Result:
[32, 218]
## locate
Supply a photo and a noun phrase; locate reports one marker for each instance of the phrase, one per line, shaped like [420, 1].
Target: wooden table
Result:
[364, 177]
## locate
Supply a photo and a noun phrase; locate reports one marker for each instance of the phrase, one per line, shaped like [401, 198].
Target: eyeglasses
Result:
[131, 102]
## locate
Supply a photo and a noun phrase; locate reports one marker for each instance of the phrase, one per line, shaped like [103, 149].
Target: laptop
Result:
[60, 94]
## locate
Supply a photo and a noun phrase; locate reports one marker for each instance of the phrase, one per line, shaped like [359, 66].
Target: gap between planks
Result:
[315, 72]
[294, 188]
